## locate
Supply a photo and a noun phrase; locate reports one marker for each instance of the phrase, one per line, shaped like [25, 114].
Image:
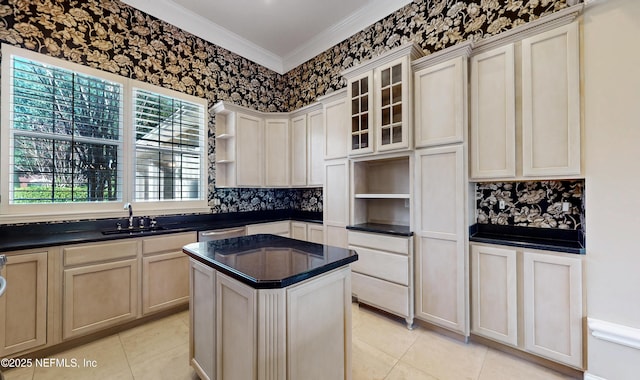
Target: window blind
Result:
[66, 131]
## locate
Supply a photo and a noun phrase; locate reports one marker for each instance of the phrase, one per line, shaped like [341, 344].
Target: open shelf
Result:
[381, 191]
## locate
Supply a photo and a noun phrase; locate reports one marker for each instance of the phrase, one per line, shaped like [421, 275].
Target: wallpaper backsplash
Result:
[115, 37]
[532, 204]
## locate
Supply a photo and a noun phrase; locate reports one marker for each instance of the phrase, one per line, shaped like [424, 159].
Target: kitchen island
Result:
[268, 307]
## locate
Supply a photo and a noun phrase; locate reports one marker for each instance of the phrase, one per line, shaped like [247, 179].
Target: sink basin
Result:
[132, 231]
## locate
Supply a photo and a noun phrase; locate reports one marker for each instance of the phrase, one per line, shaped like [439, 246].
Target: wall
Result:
[115, 37]
[611, 69]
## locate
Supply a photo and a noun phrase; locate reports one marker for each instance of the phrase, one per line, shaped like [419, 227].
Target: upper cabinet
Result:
[525, 102]
[307, 146]
[551, 103]
[379, 102]
[440, 95]
[336, 130]
[269, 149]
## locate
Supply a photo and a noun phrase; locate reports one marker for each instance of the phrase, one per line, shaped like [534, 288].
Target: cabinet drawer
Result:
[168, 243]
[93, 253]
[275, 228]
[385, 295]
[380, 242]
[385, 266]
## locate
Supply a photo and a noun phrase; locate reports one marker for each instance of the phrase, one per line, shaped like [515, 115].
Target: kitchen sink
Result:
[132, 231]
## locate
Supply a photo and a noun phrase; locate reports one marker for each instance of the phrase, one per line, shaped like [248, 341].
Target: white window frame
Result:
[13, 213]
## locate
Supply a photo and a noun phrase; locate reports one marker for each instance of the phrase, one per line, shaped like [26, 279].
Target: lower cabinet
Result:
[23, 307]
[276, 228]
[98, 293]
[383, 274]
[165, 272]
[312, 232]
[531, 300]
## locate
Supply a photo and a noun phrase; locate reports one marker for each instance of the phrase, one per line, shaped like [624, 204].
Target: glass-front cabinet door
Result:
[361, 96]
[392, 106]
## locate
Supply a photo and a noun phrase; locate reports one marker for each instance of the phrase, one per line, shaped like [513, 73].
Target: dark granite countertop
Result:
[269, 261]
[39, 235]
[389, 229]
[549, 239]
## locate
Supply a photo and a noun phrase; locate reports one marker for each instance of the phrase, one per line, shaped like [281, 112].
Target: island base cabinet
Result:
[23, 308]
[202, 318]
[241, 333]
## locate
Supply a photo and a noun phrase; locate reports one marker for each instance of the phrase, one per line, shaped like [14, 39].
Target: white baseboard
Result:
[588, 376]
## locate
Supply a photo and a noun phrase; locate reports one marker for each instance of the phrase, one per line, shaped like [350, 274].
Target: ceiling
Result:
[278, 34]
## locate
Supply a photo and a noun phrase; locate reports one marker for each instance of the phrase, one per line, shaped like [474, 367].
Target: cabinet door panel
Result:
[299, 154]
[336, 193]
[493, 105]
[393, 106]
[336, 129]
[315, 171]
[551, 103]
[315, 233]
[23, 307]
[360, 97]
[236, 327]
[98, 296]
[249, 148]
[441, 104]
[165, 281]
[553, 307]
[494, 293]
[441, 279]
[276, 150]
[202, 311]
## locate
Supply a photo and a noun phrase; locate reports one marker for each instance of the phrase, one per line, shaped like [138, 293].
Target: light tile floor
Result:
[382, 348]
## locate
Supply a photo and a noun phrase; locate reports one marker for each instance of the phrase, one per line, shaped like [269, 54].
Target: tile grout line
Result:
[126, 356]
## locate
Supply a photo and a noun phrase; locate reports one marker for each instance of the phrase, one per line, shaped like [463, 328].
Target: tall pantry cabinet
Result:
[441, 224]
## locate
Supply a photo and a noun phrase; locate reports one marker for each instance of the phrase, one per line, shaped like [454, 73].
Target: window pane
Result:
[169, 147]
[66, 130]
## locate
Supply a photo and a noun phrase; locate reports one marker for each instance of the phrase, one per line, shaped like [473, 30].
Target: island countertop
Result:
[269, 261]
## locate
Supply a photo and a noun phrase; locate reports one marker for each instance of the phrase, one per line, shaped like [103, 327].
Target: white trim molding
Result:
[614, 333]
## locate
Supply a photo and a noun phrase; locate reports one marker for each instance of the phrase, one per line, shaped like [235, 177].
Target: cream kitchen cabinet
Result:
[165, 271]
[336, 130]
[380, 103]
[493, 114]
[307, 147]
[383, 275]
[440, 94]
[312, 232]
[281, 228]
[494, 293]
[525, 102]
[23, 307]
[442, 282]
[553, 306]
[529, 299]
[100, 286]
[277, 158]
[239, 146]
[336, 202]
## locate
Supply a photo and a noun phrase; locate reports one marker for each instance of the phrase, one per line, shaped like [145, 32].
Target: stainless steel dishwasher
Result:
[221, 234]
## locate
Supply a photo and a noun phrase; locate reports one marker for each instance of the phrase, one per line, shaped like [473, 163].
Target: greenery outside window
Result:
[77, 141]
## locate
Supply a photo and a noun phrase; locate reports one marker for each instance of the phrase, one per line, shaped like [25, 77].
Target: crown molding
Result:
[193, 23]
[356, 22]
[554, 20]
[460, 50]
[411, 50]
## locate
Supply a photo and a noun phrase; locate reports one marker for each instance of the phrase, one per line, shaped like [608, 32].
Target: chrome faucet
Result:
[128, 206]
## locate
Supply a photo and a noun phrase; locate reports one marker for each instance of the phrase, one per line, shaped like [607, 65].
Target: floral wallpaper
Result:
[238, 200]
[431, 24]
[115, 37]
[532, 204]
